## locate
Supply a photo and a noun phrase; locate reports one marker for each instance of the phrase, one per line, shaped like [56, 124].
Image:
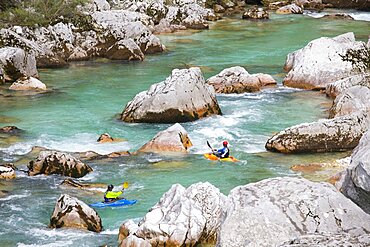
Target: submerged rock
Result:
[103, 138]
[319, 63]
[355, 181]
[338, 16]
[182, 217]
[7, 171]
[354, 99]
[173, 139]
[256, 13]
[238, 80]
[28, 83]
[335, 88]
[10, 130]
[184, 96]
[16, 63]
[71, 212]
[328, 135]
[53, 162]
[273, 211]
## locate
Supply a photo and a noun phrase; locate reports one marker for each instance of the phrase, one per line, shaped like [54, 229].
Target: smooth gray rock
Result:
[16, 63]
[335, 88]
[182, 217]
[173, 139]
[184, 96]
[354, 99]
[53, 162]
[28, 83]
[355, 181]
[238, 80]
[273, 211]
[328, 135]
[71, 212]
[319, 62]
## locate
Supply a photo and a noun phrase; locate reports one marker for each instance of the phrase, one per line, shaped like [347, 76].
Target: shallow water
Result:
[87, 98]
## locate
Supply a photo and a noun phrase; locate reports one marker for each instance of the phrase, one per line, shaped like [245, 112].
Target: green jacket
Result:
[112, 194]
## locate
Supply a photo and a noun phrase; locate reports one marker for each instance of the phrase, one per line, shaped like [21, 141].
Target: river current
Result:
[86, 99]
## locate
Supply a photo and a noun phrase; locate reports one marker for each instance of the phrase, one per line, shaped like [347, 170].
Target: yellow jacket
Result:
[112, 194]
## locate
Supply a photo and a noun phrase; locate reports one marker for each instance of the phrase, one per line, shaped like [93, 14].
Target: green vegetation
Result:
[38, 12]
[359, 58]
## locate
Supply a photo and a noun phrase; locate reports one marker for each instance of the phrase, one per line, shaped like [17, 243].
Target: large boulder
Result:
[328, 135]
[173, 139]
[273, 211]
[182, 217]
[290, 9]
[7, 171]
[256, 13]
[335, 88]
[15, 63]
[355, 181]
[184, 96]
[71, 212]
[354, 99]
[53, 162]
[28, 83]
[328, 239]
[238, 80]
[320, 62]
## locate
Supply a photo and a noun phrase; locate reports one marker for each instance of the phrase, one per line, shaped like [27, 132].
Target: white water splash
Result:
[357, 15]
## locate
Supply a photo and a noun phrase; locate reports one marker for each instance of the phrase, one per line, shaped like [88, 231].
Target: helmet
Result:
[225, 143]
[110, 187]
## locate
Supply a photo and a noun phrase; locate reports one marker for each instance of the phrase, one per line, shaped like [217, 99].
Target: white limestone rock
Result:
[335, 88]
[319, 62]
[184, 96]
[27, 84]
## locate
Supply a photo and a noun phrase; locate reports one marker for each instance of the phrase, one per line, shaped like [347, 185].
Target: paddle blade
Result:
[125, 185]
[209, 145]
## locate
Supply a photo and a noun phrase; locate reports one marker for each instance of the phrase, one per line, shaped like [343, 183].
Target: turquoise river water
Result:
[86, 99]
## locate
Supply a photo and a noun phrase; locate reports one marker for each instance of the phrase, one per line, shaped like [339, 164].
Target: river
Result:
[86, 99]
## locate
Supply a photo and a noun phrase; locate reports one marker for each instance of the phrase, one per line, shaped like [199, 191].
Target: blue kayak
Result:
[118, 203]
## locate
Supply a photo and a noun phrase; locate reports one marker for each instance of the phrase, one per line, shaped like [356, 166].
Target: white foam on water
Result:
[11, 197]
[78, 143]
[55, 244]
[15, 208]
[110, 232]
[357, 15]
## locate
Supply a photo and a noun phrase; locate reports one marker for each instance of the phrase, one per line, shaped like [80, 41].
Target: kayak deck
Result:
[214, 157]
[118, 203]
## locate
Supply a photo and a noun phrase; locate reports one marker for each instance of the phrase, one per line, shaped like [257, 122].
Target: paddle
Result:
[209, 145]
[125, 185]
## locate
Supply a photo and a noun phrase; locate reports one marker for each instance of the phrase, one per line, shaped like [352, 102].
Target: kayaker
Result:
[222, 152]
[110, 195]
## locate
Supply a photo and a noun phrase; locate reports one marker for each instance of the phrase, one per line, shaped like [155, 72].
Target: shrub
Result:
[40, 12]
[359, 58]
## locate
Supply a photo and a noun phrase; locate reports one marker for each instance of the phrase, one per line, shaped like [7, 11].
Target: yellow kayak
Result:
[214, 157]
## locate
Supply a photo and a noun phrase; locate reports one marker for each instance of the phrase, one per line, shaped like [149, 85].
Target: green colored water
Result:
[86, 99]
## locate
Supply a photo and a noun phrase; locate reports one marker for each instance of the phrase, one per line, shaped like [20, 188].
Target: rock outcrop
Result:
[184, 96]
[52, 162]
[238, 80]
[354, 99]
[28, 83]
[182, 217]
[71, 212]
[326, 239]
[319, 63]
[103, 138]
[173, 139]
[340, 16]
[273, 211]
[335, 88]
[256, 13]
[290, 9]
[16, 63]
[355, 181]
[328, 135]
[349, 4]
[7, 171]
